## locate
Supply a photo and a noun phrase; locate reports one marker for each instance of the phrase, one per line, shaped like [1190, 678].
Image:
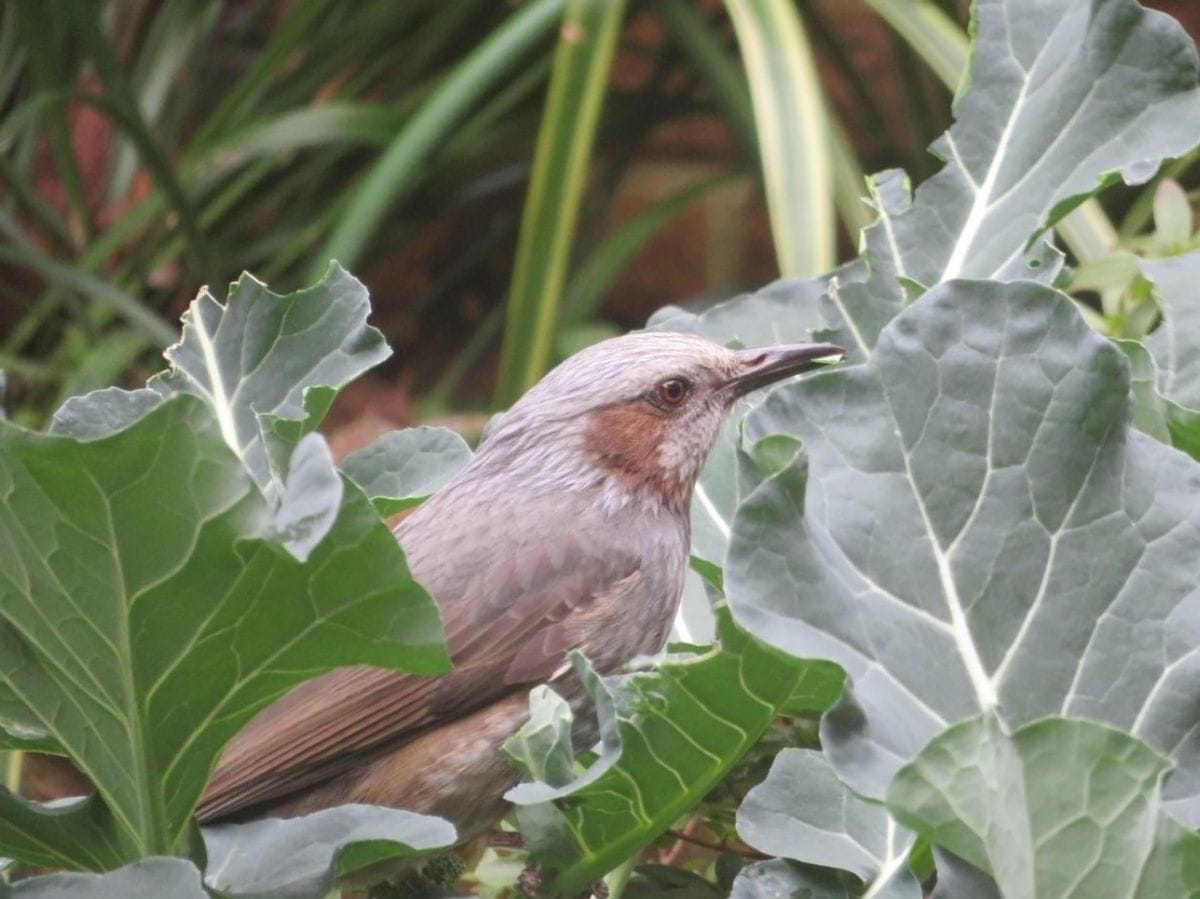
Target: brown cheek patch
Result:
[625, 439]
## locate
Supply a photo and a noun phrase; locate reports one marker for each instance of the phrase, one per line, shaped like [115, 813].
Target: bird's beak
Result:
[766, 365]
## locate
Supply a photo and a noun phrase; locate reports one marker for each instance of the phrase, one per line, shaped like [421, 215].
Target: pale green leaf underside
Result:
[803, 812]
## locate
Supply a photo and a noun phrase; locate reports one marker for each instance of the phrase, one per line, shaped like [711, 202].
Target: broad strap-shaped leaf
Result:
[681, 727]
[402, 468]
[151, 878]
[795, 144]
[802, 811]
[300, 858]
[979, 529]
[148, 608]
[255, 360]
[1062, 96]
[1061, 808]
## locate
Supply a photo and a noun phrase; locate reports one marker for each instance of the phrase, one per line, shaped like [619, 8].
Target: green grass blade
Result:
[332, 123]
[727, 81]
[849, 185]
[238, 104]
[564, 146]
[399, 168]
[698, 39]
[21, 252]
[12, 771]
[177, 28]
[596, 275]
[52, 73]
[793, 133]
[926, 28]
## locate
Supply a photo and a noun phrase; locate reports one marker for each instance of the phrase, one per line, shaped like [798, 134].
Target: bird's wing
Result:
[511, 613]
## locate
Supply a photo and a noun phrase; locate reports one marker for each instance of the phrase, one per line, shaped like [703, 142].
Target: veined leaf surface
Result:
[1062, 98]
[996, 511]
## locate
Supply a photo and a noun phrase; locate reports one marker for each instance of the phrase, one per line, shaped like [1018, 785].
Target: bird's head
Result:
[636, 414]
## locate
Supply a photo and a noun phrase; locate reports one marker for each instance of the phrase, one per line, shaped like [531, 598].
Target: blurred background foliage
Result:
[512, 180]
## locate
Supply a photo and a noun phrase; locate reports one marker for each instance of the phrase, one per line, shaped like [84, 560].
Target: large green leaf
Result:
[1161, 418]
[178, 556]
[1061, 808]
[803, 812]
[780, 879]
[401, 468]
[672, 734]
[943, 46]
[980, 530]
[1061, 97]
[148, 607]
[152, 878]
[299, 858]
[258, 361]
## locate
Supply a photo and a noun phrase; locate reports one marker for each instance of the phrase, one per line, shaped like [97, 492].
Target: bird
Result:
[568, 530]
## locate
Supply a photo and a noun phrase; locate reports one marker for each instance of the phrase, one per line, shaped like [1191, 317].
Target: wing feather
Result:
[511, 611]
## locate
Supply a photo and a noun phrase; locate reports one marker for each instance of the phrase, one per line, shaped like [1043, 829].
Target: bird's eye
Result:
[673, 391]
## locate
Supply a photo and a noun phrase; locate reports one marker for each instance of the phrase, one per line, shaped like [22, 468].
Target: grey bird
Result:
[567, 531]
